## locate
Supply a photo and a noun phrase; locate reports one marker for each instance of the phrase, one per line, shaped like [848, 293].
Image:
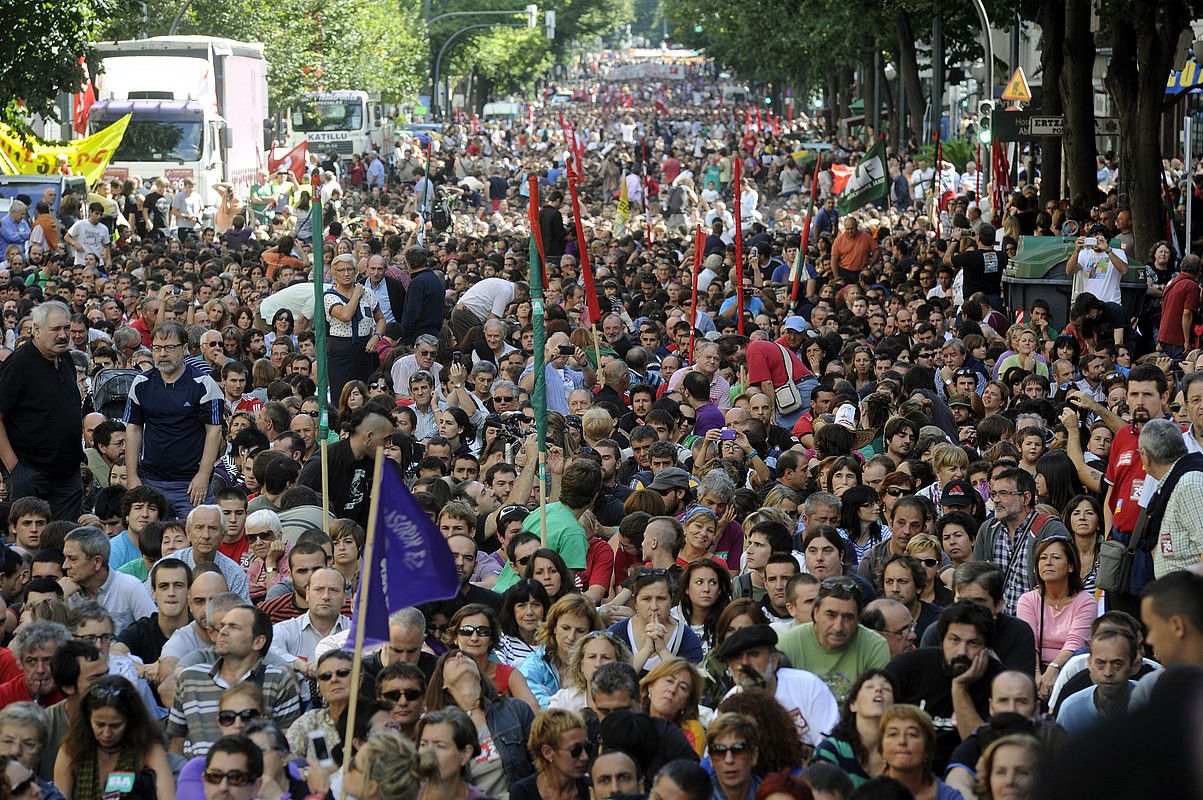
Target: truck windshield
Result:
[160, 140]
[328, 115]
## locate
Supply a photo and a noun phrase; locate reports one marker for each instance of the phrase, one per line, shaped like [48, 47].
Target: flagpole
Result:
[539, 395]
[810, 211]
[319, 344]
[739, 244]
[365, 578]
[591, 303]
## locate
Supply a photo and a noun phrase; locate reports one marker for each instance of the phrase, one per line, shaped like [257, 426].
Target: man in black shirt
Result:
[41, 416]
[551, 223]
[155, 208]
[982, 264]
[951, 682]
[463, 548]
[351, 464]
[170, 580]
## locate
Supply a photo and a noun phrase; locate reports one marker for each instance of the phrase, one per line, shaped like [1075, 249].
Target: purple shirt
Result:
[709, 417]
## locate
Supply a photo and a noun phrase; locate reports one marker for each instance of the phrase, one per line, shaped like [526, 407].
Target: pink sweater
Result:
[1067, 629]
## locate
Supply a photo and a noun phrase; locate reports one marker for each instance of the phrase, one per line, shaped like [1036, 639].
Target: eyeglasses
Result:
[342, 673]
[165, 348]
[247, 715]
[896, 491]
[467, 631]
[260, 537]
[839, 582]
[100, 639]
[235, 777]
[313, 414]
[522, 562]
[503, 398]
[577, 750]
[904, 631]
[1007, 493]
[720, 751]
[425, 353]
[395, 695]
[651, 572]
[380, 387]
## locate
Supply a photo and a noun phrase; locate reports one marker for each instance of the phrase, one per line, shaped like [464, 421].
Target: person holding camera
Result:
[1097, 268]
[982, 266]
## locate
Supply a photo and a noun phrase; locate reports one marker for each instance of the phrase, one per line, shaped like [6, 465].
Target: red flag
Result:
[295, 161]
[840, 174]
[661, 106]
[84, 99]
[776, 122]
[532, 211]
[758, 127]
[699, 244]
[591, 301]
[739, 245]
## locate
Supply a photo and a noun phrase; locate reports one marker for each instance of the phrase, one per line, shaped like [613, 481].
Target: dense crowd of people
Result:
[875, 540]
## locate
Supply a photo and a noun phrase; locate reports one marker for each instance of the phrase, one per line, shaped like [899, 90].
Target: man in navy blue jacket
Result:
[425, 298]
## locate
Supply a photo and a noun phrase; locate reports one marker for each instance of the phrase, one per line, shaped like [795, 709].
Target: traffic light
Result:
[697, 28]
[768, 101]
[985, 111]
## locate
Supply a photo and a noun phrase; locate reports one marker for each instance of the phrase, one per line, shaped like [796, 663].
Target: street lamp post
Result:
[438, 62]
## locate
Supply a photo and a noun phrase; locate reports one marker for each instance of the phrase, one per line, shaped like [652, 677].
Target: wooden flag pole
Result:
[361, 602]
[598, 374]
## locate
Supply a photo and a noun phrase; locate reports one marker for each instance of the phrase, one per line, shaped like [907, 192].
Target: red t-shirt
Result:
[599, 564]
[1181, 295]
[17, 691]
[623, 561]
[239, 551]
[1126, 474]
[766, 362]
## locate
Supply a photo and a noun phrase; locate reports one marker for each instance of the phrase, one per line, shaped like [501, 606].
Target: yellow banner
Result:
[87, 157]
[623, 214]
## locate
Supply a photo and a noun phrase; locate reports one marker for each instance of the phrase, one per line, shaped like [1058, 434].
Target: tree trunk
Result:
[843, 91]
[1077, 92]
[868, 93]
[887, 94]
[1142, 56]
[1052, 61]
[908, 70]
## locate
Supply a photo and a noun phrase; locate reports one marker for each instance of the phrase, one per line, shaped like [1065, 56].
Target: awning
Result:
[1188, 78]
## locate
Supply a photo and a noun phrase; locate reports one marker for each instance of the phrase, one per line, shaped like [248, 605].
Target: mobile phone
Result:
[726, 435]
[321, 750]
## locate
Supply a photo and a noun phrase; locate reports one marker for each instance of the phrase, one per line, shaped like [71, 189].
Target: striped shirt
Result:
[198, 694]
[720, 387]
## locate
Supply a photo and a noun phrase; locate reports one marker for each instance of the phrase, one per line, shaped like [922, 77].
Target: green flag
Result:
[869, 183]
[539, 397]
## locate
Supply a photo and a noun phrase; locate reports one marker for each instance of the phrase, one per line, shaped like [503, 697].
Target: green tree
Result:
[40, 58]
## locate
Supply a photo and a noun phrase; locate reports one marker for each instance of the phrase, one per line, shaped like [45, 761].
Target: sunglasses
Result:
[896, 491]
[259, 537]
[395, 695]
[503, 398]
[839, 582]
[432, 628]
[342, 673]
[235, 777]
[228, 718]
[467, 631]
[577, 750]
[522, 562]
[720, 751]
[928, 562]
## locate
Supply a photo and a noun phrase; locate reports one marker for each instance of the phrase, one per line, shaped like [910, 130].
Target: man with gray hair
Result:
[205, 527]
[86, 562]
[420, 360]
[1175, 509]
[14, 228]
[389, 291]
[41, 416]
[34, 647]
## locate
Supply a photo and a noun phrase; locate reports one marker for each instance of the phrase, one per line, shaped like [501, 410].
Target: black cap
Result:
[745, 639]
[957, 493]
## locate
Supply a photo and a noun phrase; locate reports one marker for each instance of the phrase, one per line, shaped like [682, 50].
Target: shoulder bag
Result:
[1115, 559]
[787, 397]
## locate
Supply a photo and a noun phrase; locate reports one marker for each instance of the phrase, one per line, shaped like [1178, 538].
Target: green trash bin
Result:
[1038, 272]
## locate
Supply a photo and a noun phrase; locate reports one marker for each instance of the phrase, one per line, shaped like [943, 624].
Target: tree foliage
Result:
[511, 59]
[40, 56]
[372, 45]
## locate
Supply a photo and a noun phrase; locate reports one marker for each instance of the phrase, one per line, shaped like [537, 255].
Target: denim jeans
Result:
[176, 493]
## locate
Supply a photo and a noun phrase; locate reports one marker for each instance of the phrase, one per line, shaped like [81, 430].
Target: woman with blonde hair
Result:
[1009, 767]
[388, 767]
[949, 462]
[591, 651]
[672, 690]
[926, 548]
[596, 424]
[560, 749]
[568, 619]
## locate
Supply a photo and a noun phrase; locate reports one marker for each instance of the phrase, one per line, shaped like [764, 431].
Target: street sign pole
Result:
[1190, 183]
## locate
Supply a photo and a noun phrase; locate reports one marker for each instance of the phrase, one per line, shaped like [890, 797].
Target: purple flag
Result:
[413, 563]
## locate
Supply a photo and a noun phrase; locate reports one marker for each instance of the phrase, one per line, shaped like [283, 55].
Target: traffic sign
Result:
[1046, 126]
[1017, 90]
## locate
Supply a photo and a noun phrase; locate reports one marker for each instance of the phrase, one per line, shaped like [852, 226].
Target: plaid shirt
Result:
[198, 694]
[1180, 542]
[1017, 576]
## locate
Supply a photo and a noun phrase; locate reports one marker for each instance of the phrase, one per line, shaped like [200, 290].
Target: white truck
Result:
[199, 107]
[343, 122]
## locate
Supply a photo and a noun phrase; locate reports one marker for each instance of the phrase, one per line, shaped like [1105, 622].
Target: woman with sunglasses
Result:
[333, 673]
[523, 608]
[894, 487]
[589, 654]
[476, 631]
[777, 744]
[732, 750]
[1058, 611]
[860, 521]
[268, 552]
[113, 734]
[449, 736]
[238, 707]
[926, 548]
[653, 634]
[502, 723]
[561, 752]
